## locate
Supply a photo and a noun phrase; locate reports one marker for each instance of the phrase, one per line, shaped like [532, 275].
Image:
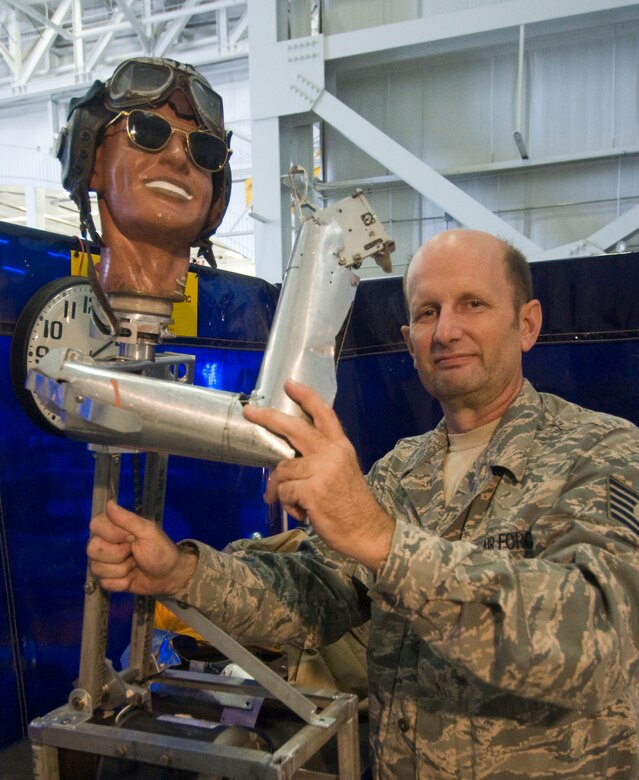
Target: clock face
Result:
[57, 316]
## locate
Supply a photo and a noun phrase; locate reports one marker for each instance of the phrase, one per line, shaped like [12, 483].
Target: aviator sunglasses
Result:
[153, 132]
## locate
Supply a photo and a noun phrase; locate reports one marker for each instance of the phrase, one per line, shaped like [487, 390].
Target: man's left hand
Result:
[326, 483]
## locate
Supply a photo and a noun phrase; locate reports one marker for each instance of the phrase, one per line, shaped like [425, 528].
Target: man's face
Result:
[465, 336]
[152, 196]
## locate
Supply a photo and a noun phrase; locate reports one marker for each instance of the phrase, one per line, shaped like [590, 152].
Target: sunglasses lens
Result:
[148, 130]
[207, 151]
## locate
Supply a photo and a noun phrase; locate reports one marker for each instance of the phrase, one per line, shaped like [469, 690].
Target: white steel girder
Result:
[421, 177]
[45, 42]
[297, 66]
[598, 242]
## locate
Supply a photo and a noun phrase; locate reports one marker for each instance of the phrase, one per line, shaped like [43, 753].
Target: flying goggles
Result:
[145, 80]
[152, 132]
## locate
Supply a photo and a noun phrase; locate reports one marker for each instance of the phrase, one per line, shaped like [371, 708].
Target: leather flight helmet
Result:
[140, 82]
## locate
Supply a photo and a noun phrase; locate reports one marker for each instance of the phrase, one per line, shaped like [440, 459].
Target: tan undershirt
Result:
[463, 451]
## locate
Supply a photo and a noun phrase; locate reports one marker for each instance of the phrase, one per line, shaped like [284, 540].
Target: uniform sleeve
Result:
[561, 627]
[307, 598]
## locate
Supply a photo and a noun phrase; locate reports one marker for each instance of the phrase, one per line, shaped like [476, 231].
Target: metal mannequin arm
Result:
[123, 409]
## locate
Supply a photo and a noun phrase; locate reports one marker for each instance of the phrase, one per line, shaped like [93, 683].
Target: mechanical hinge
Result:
[363, 235]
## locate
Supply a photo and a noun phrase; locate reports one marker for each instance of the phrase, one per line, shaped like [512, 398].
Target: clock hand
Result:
[102, 348]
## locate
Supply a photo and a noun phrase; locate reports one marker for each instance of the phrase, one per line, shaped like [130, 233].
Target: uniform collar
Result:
[509, 447]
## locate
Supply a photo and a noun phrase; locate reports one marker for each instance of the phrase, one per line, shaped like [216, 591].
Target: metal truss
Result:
[49, 49]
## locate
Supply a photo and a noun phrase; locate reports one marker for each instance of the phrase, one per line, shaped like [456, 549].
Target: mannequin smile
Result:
[170, 188]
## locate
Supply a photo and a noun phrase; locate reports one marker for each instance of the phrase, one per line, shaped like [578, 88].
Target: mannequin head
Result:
[160, 189]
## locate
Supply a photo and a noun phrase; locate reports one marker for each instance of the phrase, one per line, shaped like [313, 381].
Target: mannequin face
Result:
[158, 198]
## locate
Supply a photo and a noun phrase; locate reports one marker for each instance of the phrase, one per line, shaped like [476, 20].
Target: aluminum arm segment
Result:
[311, 310]
[106, 406]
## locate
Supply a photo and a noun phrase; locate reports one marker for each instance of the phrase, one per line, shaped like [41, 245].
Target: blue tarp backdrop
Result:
[588, 352]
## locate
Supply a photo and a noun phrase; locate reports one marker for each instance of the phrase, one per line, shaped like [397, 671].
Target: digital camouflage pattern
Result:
[503, 627]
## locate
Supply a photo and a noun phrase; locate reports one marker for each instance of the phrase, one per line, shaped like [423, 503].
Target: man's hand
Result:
[129, 553]
[325, 483]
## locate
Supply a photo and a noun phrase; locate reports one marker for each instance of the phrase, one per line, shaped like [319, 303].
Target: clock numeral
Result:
[41, 350]
[71, 307]
[53, 329]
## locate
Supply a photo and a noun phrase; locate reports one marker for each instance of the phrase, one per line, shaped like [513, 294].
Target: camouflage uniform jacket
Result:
[504, 633]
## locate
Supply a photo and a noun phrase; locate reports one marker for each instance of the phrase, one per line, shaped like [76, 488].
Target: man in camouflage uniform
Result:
[496, 556]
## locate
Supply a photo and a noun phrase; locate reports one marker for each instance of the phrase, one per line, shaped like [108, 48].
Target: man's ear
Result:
[530, 319]
[408, 340]
[96, 182]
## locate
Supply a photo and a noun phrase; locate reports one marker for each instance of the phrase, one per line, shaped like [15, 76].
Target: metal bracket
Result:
[363, 234]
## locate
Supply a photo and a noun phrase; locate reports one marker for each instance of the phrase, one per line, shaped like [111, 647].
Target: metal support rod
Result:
[517, 134]
[348, 748]
[96, 601]
[155, 471]
[45, 762]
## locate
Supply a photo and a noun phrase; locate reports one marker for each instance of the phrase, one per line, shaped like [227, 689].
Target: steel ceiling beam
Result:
[173, 29]
[23, 50]
[241, 27]
[101, 44]
[596, 243]
[617, 230]
[37, 17]
[136, 25]
[46, 41]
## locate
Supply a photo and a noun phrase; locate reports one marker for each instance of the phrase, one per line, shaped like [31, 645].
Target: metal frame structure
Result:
[90, 721]
[65, 729]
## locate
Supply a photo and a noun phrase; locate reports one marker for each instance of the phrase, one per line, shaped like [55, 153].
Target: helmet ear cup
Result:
[221, 196]
[222, 182]
[77, 146]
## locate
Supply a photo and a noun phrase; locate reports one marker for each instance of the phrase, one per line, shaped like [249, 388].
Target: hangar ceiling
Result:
[49, 48]
[50, 51]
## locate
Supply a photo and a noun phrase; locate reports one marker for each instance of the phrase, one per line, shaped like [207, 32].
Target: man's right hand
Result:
[129, 553]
